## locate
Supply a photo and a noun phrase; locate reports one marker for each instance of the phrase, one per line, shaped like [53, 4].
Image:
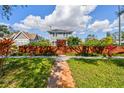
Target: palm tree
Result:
[119, 25]
[120, 12]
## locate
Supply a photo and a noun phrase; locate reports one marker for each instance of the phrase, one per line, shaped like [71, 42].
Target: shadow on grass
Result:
[118, 62]
[88, 54]
[29, 73]
[88, 61]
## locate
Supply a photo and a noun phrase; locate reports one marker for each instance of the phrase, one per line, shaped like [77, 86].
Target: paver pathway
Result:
[61, 75]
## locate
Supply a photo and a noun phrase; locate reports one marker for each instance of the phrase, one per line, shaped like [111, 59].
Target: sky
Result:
[83, 20]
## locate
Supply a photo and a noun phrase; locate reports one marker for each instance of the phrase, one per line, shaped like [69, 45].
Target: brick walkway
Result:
[61, 75]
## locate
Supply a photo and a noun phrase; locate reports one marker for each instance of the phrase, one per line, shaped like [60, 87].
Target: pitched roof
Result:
[11, 35]
[31, 35]
[28, 35]
[60, 31]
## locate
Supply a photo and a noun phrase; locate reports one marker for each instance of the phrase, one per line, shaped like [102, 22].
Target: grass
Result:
[122, 55]
[26, 73]
[94, 73]
[82, 54]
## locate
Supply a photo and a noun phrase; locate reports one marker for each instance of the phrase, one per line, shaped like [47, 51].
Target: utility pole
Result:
[119, 24]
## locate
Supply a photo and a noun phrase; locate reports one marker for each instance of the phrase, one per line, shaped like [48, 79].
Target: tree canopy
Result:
[92, 42]
[4, 29]
[106, 41]
[103, 42]
[42, 42]
[72, 41]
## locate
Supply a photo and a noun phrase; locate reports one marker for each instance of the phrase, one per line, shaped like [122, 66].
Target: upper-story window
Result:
[53, 34]
[64, 34]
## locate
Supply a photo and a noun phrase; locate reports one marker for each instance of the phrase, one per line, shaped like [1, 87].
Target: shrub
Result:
[103, 42]
[72, 41]
[42, 42]
[92, 42]
[106, 41]
[14, 50]
[5, 46]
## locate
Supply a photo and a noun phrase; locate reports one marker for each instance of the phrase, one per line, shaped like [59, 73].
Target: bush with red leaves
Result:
[5, 46]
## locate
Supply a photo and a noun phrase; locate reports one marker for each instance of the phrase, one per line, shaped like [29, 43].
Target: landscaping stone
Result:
[61, 75]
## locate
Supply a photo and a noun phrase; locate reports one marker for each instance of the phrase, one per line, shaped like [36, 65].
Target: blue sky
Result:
[20, 13]
[100, 13]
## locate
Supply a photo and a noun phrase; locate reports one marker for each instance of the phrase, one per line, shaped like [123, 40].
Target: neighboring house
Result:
[116, 39]
[117, 42]
[90, 37]
[23, 38]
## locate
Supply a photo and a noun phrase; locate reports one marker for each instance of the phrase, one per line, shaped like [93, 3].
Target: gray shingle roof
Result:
[59, 31]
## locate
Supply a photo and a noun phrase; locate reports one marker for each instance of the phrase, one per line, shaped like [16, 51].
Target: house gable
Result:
[20, 35]
[21, 39]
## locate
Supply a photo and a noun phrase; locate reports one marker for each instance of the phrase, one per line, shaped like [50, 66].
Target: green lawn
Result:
[25, 72]
[94, 73]
[122, 55]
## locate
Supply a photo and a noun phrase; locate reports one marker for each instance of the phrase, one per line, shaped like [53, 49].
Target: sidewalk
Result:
[65, 57]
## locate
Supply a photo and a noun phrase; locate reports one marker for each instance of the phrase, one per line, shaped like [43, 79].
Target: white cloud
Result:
[4, 24]
[63, 17]
[30, 22]
[115, 23]
[103, 25]
[69, 17]
[107, 30]
[21, 27]
[78, 32]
